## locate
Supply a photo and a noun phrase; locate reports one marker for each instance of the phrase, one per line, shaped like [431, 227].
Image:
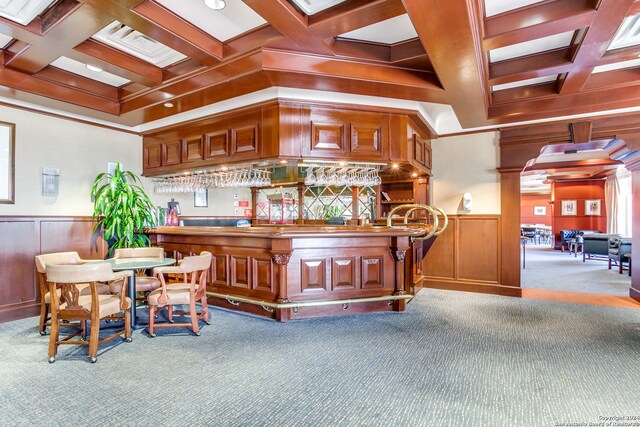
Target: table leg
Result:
[132, 295]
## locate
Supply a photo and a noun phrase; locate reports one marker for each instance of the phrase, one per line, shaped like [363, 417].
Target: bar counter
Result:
[289, 272]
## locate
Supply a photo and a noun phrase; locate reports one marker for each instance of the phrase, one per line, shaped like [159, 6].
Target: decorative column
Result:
[281, 253]
[399, 248]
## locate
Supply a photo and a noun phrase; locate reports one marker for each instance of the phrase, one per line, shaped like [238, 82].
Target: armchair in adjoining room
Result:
[68, 305]
[188, 293]
[68, 258]
[619, 250]
[597, 245]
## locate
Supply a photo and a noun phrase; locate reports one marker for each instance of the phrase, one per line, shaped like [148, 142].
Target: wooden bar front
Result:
[298, 264]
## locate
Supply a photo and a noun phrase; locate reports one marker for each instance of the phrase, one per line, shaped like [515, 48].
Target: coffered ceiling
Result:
[464, 64]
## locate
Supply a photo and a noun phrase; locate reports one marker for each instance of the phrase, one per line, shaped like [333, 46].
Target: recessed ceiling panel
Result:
[4, 40]
[236, 18]
[314, 6]
[494, 7]
[81, 69]
[555, 41]
[23, 11]
[527, 82]
[617, 66]
[137, 44]
[628, 34]
[390, 31]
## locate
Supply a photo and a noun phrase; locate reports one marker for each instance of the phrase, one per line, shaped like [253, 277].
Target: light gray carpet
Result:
[453, 359]
[561, 271]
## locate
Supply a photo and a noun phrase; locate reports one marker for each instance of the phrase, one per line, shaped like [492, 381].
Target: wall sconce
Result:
[467, 202]
[50, 182]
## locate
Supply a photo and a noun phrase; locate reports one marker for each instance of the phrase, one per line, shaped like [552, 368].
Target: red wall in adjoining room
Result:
[527, 204]
[579, 191]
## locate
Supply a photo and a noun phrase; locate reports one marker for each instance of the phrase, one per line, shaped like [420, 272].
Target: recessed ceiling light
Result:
[215, 4]
[415, 175]
[94, 68]
[283, 162]
[168, 104]
[395, 166]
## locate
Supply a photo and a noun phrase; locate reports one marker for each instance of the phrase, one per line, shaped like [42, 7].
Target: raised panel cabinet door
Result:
[219, 270]
[192, 149]
[240, 272]
[263, 274]
[245, 140]
[427, 156]
[312, 275]
[418, 149]
[366, 138]
[327, 138]
[152, 156]
[371, 272]
[216, 144]
[343, 273]
[171, 153]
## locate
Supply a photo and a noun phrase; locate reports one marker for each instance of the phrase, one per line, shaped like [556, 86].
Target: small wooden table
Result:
[118, 264]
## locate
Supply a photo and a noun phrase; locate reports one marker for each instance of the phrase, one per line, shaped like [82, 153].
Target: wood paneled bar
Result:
[290, 272]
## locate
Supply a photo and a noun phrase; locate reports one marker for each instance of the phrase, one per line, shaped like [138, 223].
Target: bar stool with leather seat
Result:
[42, 261]
[68, 304]
[144, 284]
[188, 292]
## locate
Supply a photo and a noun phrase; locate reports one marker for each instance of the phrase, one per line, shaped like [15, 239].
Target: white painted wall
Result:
[467, 163]
[81, 152]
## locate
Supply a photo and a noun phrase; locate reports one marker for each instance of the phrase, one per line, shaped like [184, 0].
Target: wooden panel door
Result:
[418, 149]
[343, 273]
[192, 149]
[366, 138]
[216, 144]
[263, 274]
[245, 140]
[220, 270]
[152, 156]
[371, 271]
[171, 153]
[240, 272]
[312, 276]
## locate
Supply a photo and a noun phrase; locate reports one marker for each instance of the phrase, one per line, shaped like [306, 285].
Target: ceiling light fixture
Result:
[94, 68]
[168, 104]
[215, 4]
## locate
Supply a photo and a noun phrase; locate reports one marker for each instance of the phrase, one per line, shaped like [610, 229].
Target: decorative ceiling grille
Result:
[23, 11]
[628, 34]
[314, 6]
[137, 44]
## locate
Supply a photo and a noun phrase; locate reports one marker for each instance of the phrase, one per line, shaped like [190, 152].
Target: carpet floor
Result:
[561, 271]
[452, 359]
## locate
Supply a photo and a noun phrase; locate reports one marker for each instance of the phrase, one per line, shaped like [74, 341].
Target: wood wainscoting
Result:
[467, 256]
[24, 237]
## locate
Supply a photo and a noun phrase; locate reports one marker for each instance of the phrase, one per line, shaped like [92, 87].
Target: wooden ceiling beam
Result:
[362, 49]
[524, 93]
[352, 15]
[538, 65]
[120, 11]
[286, 19]
[408, 49]
[72, 80]
[163, 17]
[603, 29]
[353, 71]
[448, 32]
[614, 78]
[537, 21]
[620, 55]
[251, 40]
[79, 23]
[17, 80]
[115, 59]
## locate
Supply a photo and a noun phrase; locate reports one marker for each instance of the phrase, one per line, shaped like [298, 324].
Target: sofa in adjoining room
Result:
[619, 250]
[567, 235]
[596, 245]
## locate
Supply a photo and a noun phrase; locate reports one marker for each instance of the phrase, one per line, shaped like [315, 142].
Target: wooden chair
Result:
[186, 292]
[68, 304]
[42, 261]
[144, 283]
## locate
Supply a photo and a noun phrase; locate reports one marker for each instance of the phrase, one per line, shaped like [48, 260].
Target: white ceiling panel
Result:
[137, 44]
[314, 6]
[81, 69]
[533, 46]
[494, 7]
[617, 66]
[628, 34]
[23, 11]
[527, 82]
[4, 40]
[236, 18]
[390, 31]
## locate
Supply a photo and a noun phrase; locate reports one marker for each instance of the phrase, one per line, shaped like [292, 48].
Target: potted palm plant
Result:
[122, 209]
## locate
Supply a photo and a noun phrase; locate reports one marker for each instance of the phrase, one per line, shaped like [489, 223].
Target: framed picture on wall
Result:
[539, 210]
[592, 207]
[569, 207]
[200, 198]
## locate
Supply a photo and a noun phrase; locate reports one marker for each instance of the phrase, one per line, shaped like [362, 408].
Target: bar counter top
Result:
[293, 231]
